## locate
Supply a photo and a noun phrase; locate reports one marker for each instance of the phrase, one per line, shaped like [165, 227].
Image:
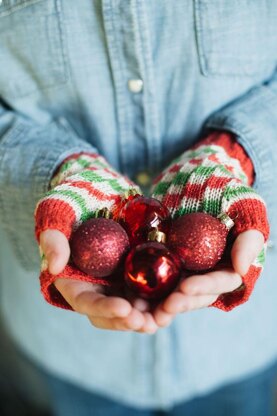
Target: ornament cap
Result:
[156, 235]
[103, 213]
[226, 220]
[131, 192]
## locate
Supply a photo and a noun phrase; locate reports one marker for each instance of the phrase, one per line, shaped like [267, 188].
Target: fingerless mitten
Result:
[83, 184]
[215, 177]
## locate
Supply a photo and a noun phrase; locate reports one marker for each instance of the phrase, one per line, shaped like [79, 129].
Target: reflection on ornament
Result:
[151, 270]
[140, 215]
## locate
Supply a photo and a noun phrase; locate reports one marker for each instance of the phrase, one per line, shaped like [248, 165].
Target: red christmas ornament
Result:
[140, 215]
[152, 271]
[199, 240]
[98, 246]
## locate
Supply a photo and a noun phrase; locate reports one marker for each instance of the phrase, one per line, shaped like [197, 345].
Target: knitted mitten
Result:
[83, 184]
[215, 177]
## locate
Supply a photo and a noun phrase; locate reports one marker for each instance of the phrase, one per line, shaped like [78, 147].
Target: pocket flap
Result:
[9, 6]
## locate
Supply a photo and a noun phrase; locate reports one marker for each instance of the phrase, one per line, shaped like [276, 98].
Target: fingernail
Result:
[141, 305]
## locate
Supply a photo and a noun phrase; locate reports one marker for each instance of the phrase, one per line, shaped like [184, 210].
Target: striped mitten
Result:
[215, 177]
[83, 184]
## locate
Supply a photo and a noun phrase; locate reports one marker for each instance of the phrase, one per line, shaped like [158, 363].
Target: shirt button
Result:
[134, 85]
[143, 179]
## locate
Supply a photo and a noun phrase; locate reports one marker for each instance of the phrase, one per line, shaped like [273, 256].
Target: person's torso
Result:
[137, 79]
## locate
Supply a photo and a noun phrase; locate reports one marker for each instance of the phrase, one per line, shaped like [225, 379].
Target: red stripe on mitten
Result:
[83, 184]
[214, 177]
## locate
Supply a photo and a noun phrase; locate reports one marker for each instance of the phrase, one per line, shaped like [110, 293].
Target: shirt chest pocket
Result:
[32, 54]
[236, 38]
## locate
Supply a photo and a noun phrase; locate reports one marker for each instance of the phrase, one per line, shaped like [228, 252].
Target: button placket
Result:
[151, 118]
[111, 18]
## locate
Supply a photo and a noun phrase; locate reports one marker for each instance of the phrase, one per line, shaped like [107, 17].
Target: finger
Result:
[162, 318]
[212, 283]
[150, 326]
[246, 248]
[133, 322]
[87, 299]
[56, 249]
[140, 304]
[189, 303]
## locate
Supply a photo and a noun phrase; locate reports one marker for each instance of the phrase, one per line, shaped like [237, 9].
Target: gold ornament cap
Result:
[226, 220]
[103, 213]
[131, 192]
[156, 235]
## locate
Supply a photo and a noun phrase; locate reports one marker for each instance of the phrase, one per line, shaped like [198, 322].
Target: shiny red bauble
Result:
[142, 214]
[199, 239]
[98, 246]
[152, 271]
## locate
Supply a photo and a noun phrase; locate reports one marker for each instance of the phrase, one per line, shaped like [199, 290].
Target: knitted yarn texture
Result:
[215, 177]
[83, 184]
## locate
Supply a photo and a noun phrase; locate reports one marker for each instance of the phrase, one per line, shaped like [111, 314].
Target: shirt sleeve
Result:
[253, 119]
[29, 155]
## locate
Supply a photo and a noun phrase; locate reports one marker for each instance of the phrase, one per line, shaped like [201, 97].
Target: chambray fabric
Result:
[64, 71]
[253, 396]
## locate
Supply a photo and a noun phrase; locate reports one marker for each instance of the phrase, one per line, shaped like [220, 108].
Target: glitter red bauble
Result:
[152, 271]
[142, 214]
[98, 246]
[199, 240]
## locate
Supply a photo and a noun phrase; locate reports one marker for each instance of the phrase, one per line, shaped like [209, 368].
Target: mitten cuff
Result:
[229, 301]
[54, 215]
[51, 293]
[250, 214]
[246, 208]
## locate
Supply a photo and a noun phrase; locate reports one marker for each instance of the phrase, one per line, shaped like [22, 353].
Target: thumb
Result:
[246, 248]
[55, 247]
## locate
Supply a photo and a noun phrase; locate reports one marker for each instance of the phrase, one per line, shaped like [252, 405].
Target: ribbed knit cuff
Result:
[51, 293]
[54, 215]
[249, 214]
[229, 301]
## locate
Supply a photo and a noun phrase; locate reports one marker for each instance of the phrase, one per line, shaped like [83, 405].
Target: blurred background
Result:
[22, 392]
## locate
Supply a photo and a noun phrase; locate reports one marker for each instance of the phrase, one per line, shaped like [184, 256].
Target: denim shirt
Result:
[137, 81]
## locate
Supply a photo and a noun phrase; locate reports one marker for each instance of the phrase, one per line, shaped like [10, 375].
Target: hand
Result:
[106, 312]
[84, 184]
[215, 177]
[199, 291]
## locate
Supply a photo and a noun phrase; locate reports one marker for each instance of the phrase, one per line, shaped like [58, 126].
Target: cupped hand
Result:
[199, 291]
[106, 312]
[116, 313]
